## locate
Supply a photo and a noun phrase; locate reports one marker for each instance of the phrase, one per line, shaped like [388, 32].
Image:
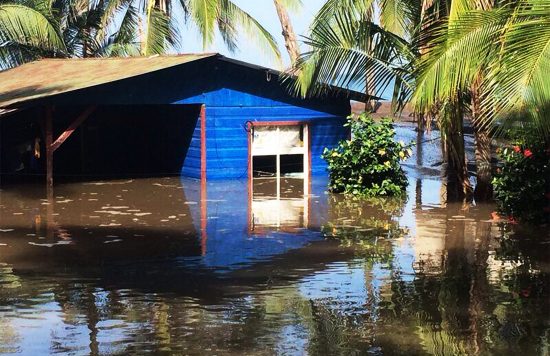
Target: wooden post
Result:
[204, 209]
[49, 149]
[203, 141]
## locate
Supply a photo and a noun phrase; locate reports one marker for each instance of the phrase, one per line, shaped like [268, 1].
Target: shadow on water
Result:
[164, 266]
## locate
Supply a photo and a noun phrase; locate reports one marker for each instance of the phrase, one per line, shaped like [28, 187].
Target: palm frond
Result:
[455, 52]
[235, 16]
[160, 34]
[26, 26]
[348, 53]
[204, 13]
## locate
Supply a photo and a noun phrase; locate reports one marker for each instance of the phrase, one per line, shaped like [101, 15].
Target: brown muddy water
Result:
[161, 266]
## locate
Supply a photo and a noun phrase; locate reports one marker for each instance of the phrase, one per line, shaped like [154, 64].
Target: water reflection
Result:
[166, 266]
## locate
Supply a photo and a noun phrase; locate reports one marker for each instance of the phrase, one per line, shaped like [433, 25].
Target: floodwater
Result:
[167, 266]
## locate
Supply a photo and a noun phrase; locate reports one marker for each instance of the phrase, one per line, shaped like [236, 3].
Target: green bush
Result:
[368, 163]
[522, 185]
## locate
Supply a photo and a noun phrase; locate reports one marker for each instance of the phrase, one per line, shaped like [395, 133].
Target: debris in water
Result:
[112, 241]
[6, 230]
[51, 245]
[110, 183]
[111, 212]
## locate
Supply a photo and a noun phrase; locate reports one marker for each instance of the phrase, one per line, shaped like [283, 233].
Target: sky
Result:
[263, 11]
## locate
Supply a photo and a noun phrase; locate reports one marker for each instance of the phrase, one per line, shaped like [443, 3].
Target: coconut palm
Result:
[30, 29]
[349, 49]
[226, 17]
[24, 30]
[288, 33]
[497, 60]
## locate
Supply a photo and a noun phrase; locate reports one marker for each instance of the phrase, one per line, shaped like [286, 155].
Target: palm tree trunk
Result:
[484, 189]
[458, 183]
[291, 43]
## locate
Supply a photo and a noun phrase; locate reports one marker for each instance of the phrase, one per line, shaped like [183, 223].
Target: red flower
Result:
[527, 153]
[517, 149]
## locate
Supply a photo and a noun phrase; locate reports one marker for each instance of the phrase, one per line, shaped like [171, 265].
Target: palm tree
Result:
[495, 57]
[228, 18]
[348, 49]
[82, 28]
[24, 30]
[288, 33]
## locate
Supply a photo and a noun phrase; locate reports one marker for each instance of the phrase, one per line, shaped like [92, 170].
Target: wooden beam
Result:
[49, 151]
[203, 141]
[72, 127]
[204, 209]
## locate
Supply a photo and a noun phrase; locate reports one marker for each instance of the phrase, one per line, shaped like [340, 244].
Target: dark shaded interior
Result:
[264, 166]
[115, 141]
[292, 164]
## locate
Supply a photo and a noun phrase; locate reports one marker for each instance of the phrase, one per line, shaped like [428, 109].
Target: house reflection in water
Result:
[281, 207]
[238, 229]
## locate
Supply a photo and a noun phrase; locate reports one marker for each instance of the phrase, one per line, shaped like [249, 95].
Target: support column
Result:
[204, 210]
[49, 149]
[203, 141]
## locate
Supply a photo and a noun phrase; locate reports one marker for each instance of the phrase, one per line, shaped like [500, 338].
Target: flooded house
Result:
[201, 116]
[195, 115]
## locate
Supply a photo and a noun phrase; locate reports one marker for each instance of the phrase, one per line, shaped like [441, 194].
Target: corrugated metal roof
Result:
[48, 77]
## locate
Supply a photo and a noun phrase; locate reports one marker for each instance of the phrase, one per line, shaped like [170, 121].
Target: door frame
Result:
[307, 144]
[307, 175]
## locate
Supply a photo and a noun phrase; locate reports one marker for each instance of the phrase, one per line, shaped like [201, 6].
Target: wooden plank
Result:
[72, 127]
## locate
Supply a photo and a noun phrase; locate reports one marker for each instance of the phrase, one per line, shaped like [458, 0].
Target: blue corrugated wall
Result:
[227, 114]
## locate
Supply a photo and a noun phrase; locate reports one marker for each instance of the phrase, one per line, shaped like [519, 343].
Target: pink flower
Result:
[527, 153]
[517, 149]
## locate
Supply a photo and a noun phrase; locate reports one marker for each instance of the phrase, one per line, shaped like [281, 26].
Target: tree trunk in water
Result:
[458, 184]
[288, 32]
[484, 189]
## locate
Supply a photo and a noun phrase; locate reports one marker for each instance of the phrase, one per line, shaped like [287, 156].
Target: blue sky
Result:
[264, 12]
